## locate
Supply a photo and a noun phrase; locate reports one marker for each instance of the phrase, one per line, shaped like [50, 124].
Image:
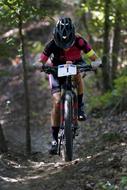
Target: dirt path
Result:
[100, 156]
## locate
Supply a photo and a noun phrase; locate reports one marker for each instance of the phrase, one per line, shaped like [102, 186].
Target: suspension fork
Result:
[74, 107]
[62, 111]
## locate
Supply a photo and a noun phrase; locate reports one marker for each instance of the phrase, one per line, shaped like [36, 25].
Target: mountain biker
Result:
[65, 47]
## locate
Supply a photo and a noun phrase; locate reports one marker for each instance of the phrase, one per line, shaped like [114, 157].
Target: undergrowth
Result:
[113, 99]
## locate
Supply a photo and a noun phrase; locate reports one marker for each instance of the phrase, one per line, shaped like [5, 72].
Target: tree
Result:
[106, 48]
[116, 43]
[101, 19]
[120, 15]
[98, 24]
[18, 13]
[3, 145]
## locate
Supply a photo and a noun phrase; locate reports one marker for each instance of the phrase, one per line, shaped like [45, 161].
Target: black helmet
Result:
[64, 33]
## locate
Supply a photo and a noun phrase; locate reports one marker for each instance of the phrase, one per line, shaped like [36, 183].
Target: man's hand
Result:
[95, 64]
[69, 62]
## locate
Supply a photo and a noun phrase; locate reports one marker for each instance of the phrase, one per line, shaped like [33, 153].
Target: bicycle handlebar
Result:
[53, 69]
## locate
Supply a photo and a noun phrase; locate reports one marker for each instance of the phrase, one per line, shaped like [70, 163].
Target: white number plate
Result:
[66, 70]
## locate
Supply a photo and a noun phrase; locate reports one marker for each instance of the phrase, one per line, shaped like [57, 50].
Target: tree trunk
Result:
[84, 21]
[106, 49]
[116, 43]
[26, 94]
[3, 145]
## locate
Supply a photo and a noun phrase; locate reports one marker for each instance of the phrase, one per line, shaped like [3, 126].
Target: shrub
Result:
[116, 97]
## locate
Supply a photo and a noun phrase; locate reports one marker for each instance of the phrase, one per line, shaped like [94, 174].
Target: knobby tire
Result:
[68, 128]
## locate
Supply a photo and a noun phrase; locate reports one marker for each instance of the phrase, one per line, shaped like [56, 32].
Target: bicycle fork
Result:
[74, 111]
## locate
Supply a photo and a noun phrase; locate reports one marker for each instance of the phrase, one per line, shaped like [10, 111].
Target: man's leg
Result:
[80, 91]
[55, 113]
[55, 122]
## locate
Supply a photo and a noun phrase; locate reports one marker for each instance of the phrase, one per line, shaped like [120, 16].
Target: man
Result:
[65, 47]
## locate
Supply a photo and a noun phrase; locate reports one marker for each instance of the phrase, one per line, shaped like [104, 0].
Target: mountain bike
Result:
[68, 106]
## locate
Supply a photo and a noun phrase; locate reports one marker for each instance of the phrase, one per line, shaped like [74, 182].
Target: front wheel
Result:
[68, 128]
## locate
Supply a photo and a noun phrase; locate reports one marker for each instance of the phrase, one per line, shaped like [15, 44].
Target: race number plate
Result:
[66, 70]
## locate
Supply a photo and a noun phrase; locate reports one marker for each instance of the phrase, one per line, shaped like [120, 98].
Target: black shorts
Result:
[55, 83]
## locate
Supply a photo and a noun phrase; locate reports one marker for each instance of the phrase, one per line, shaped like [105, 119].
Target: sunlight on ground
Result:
[44, 169]
[15, 180]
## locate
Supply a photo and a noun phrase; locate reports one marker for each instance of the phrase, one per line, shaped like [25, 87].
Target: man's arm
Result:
[96, 61]
[90, 53]
[46, 52]
[43, 58]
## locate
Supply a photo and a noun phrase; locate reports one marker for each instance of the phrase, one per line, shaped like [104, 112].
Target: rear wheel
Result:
[68, 128]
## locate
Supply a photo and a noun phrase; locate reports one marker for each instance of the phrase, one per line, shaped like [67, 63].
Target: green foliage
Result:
[27, 9]
[96, 9]
[35, 47]
[108, 186]
[4, 50]
[22, 12]
[120, 86]
[102, 101]
[34, 114]
[110, 98]
[94, 12]
[111, 137]
[123, 182]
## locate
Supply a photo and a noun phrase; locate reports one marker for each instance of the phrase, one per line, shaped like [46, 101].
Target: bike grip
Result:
[101, 65]
[42, 67]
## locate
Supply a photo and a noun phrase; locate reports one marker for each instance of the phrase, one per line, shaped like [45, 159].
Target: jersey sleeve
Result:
[85, 47]
[48, 50]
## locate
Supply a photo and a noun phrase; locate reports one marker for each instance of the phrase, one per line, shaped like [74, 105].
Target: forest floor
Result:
[100, 149]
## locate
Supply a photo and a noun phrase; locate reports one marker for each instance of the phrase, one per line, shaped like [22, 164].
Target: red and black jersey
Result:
[60, 56]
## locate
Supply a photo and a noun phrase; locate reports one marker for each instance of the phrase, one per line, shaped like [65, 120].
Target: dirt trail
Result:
[100, 156]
